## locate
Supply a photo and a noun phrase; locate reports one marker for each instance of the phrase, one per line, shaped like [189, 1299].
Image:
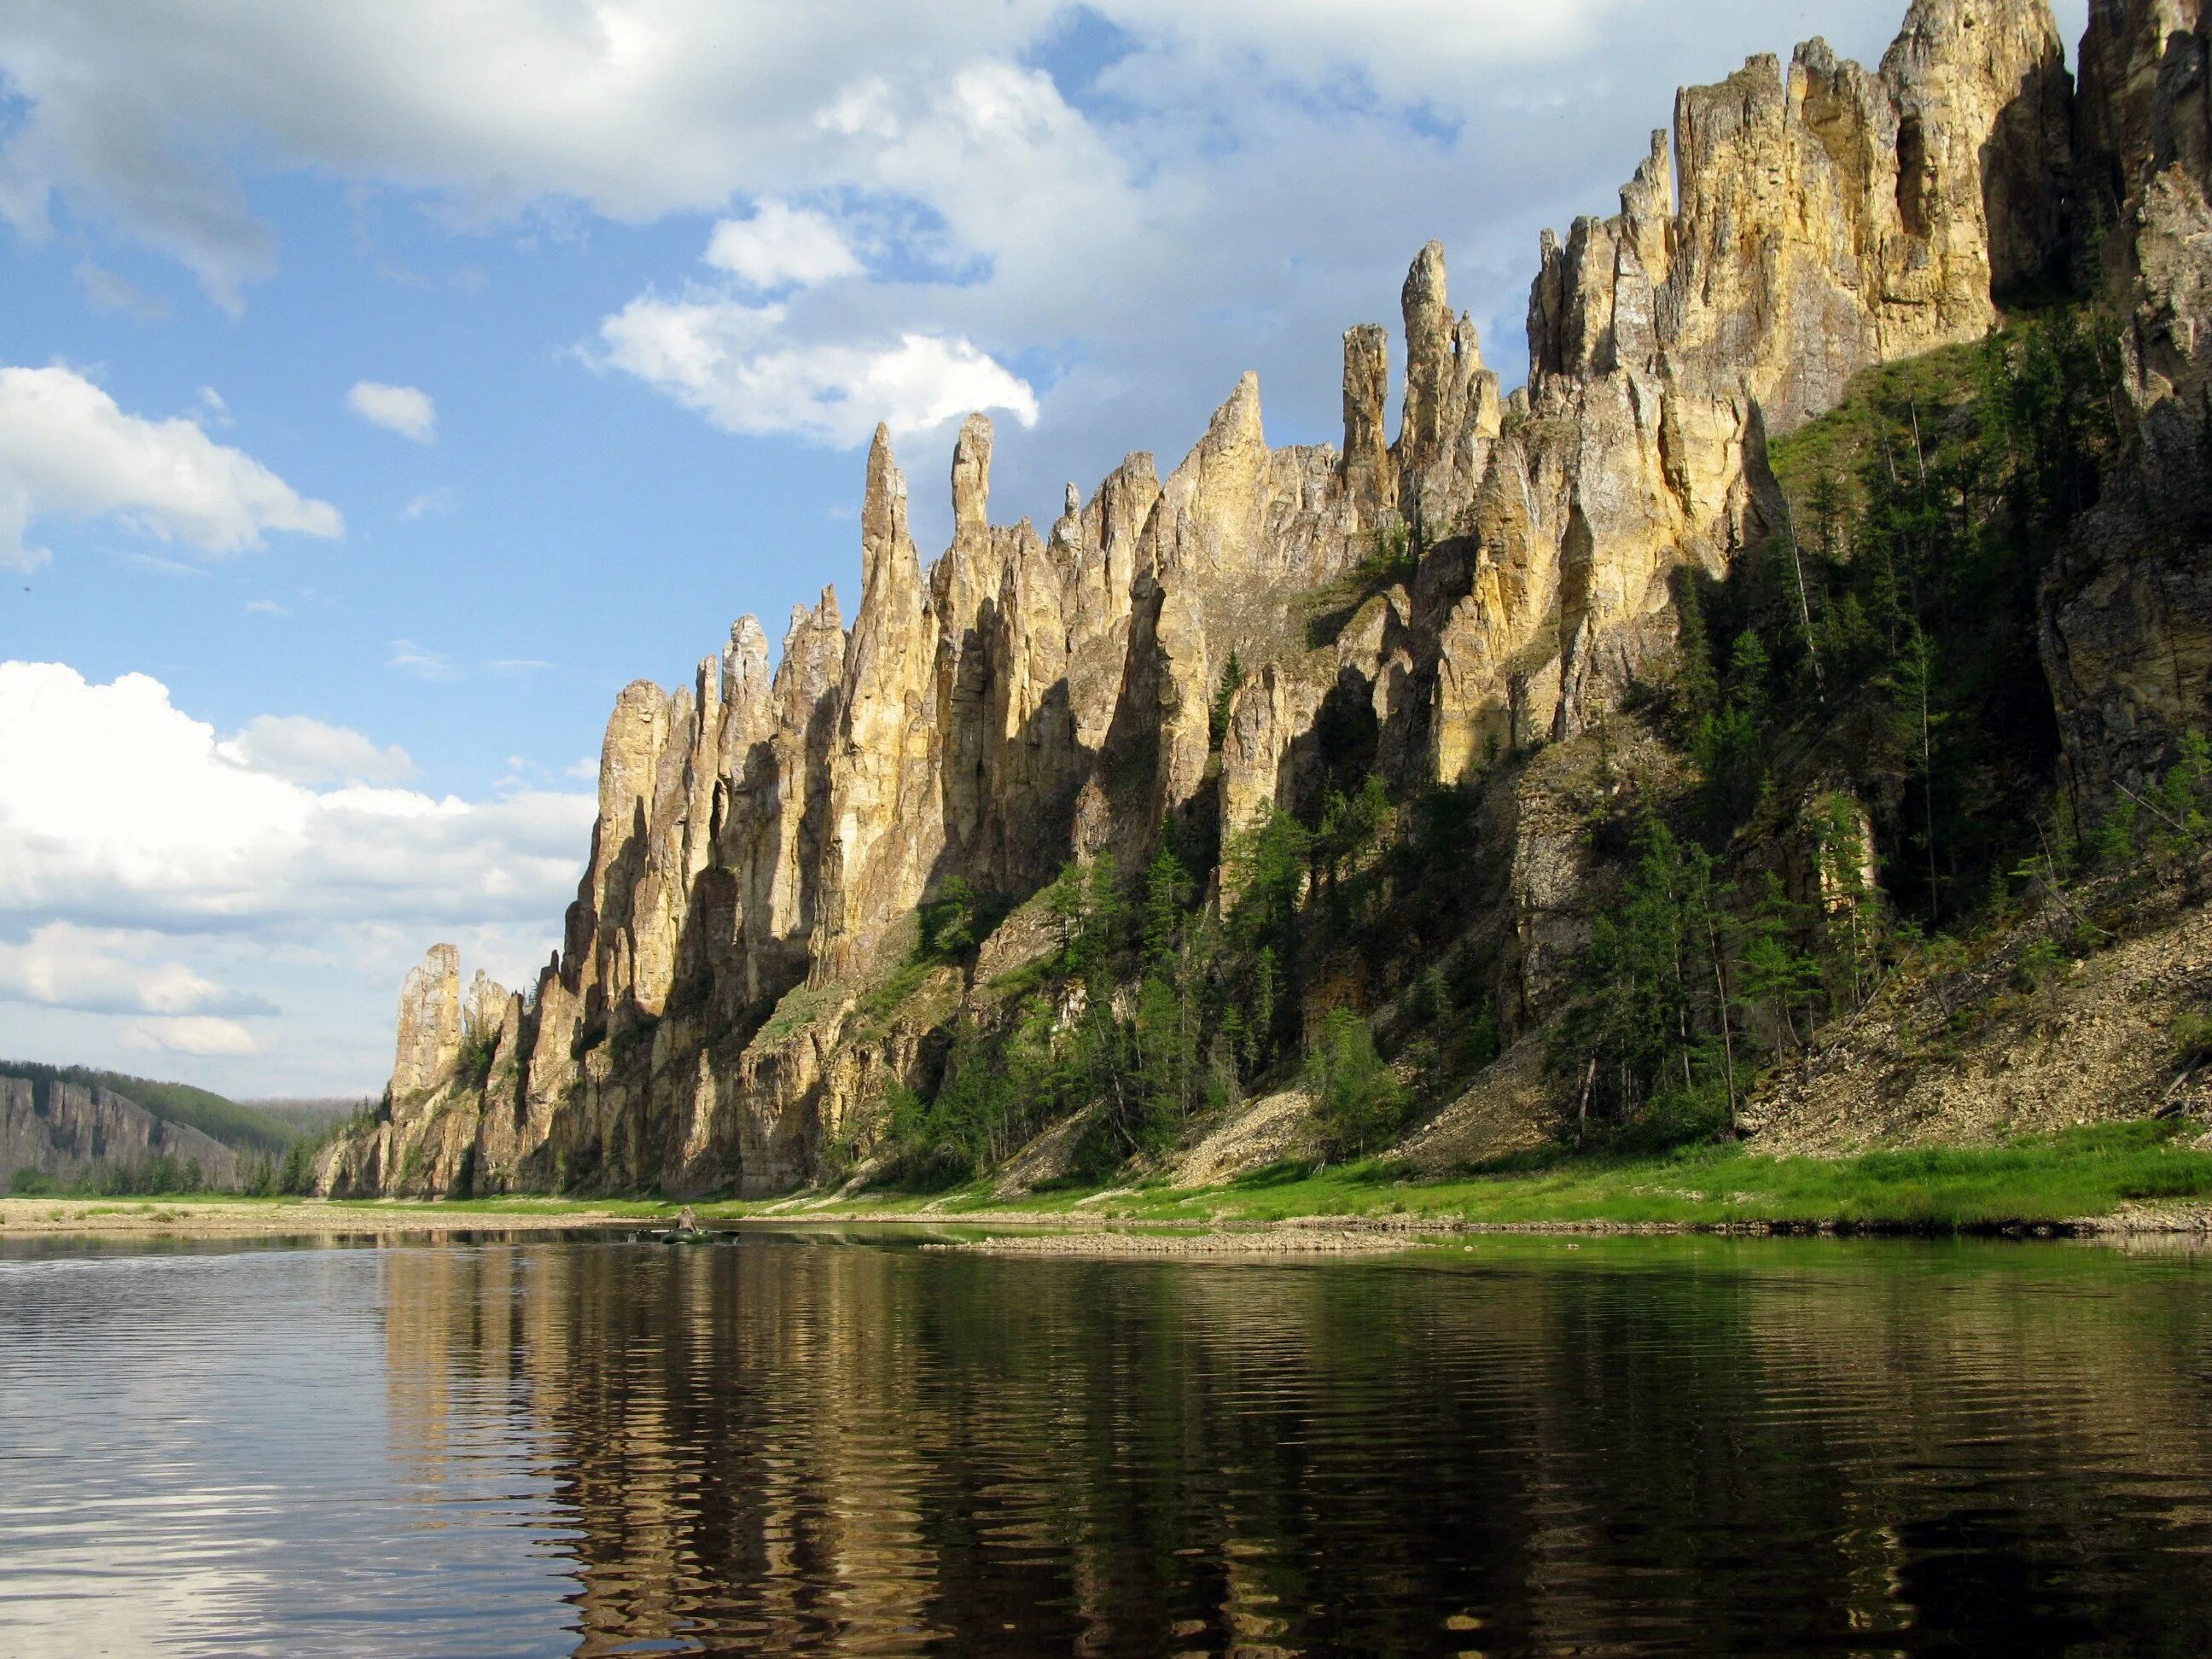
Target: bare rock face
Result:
[483, 1011]
[429, 1040]
[884, 825]
[1371, 472]
[67, 1130]
[764, 837]
[2127, 636]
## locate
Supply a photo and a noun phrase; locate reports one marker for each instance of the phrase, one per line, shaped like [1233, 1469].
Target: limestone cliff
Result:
[1494, 578]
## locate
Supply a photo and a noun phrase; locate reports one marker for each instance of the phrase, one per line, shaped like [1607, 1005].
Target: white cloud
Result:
[119, 810]
[1146, 196]
[197, 1034]
[405, 409]
[303, 750]
[780, 245]
[726, 361]
[108, 971]
[267, 608]
[421, 661]
[434, 501]
[66, 448]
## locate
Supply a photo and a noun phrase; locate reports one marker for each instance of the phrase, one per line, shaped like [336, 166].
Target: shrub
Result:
[1678, 1117]
[1359, 1103]
[2037, 963]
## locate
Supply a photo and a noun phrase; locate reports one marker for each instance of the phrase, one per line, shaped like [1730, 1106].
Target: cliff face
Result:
[65, 1130]
[2128, 640]
[765, 838]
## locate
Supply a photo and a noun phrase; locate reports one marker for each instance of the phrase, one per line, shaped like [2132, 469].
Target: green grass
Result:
[2082, 1172]
[2028, 1182]
[802, 1004]
[1841, 441]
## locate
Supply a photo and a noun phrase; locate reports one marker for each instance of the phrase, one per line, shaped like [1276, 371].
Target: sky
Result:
[384, 386]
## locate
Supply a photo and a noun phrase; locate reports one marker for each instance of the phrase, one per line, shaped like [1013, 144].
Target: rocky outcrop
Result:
[1496, 577]
[69, 1131]
[429, 1024]
[1803, 226]
[2127, 641]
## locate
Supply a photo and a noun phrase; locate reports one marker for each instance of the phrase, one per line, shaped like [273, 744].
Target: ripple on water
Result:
[546, 1446]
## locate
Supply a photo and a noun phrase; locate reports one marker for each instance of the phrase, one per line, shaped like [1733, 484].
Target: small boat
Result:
[681, 1236]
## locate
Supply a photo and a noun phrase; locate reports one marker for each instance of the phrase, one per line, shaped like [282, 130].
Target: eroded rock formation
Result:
[1494, 577]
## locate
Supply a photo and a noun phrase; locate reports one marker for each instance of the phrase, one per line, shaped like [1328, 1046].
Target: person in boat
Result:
[686, 1222]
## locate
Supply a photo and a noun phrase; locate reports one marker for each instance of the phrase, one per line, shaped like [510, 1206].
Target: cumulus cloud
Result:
[303, 750]
[199, 1035]
[66, 448]
[405, 409]
[781, 244]
[727, 360]
[117, 809]
[1158, 193]
[110, 971]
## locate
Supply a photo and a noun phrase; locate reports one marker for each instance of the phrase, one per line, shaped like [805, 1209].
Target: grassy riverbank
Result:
[2144, 1170]
[2089, 1172]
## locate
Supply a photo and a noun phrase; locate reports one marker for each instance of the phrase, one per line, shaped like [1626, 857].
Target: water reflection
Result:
[801, 1443]
[1714, 1446]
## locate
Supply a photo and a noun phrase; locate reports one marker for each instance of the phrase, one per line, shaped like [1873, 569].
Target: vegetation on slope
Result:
[1863, 694]
[1862, 780]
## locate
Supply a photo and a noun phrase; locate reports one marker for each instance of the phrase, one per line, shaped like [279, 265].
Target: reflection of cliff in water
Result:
[1714, 1446]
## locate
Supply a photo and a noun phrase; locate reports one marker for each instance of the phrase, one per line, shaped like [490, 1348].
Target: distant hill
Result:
[306, 1118]
[253, 1128]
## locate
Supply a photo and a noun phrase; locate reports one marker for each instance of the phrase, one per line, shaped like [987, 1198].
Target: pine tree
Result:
[1772, 975]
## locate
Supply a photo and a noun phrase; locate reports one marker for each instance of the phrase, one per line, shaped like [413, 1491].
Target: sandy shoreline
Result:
[1025, 1233]
[29, 1217]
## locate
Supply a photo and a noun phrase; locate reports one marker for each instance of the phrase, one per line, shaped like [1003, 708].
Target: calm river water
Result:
[846, 1444]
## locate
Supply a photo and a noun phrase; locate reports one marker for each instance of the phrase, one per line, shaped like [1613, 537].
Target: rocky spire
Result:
[1370, 474]
[881, 828]
[971, 478]
[748, 689]
[484, 1010]
[1647, 208]
[429, 1045]
[892, 571]
[1428, 356]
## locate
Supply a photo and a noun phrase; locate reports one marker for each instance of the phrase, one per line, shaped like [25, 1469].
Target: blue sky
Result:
[385, 386]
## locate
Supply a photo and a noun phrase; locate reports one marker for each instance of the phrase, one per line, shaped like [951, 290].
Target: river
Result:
[826, 1442]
